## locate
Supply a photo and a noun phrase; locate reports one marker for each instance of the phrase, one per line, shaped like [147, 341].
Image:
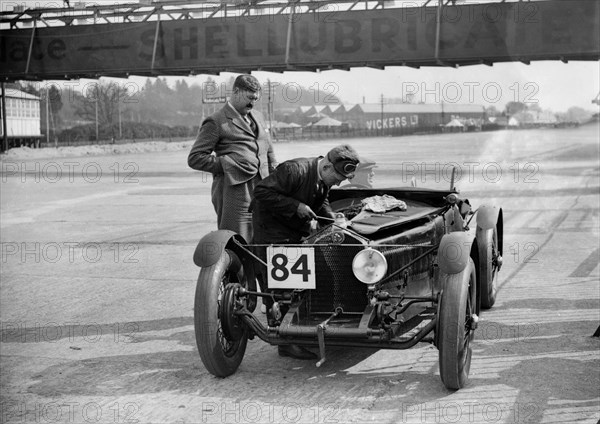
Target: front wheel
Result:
[457, 322]
[221, 350]
[490, 261]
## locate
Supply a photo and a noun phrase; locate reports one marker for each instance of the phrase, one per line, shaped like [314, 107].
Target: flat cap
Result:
[366, 163]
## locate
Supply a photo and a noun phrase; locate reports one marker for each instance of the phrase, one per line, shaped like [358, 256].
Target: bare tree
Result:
[101, 103]
[101, 100]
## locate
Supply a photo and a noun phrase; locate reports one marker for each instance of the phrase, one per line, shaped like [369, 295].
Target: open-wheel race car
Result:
[382, 279]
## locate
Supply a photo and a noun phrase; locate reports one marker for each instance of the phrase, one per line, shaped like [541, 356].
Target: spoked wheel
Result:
[220, 336]
[457, 323]
[490, 261]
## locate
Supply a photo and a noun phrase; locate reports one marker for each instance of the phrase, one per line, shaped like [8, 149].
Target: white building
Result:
[22, 118]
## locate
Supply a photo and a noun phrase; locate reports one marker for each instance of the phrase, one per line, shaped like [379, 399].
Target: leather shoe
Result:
[295, 351]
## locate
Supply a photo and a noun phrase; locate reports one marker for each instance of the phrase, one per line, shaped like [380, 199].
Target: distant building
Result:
[513, 122]
[341, 113]
[22, 119]
[378, 117]
[335, 109]
[300, 116]
[285, 114]
[395, 118]
[536, 118]
[319, 109]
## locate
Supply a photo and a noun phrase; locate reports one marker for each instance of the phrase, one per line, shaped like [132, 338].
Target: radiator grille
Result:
[336, 284]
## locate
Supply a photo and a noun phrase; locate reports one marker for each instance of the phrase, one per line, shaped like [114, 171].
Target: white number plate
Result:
[291, 267]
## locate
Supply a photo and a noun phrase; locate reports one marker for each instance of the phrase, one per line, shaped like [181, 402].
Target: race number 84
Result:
[291, 267]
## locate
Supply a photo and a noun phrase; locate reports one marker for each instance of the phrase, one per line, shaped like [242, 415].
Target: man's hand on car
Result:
[305, 212]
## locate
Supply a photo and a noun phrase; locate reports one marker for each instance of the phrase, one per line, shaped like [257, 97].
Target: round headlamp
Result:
[369, 266]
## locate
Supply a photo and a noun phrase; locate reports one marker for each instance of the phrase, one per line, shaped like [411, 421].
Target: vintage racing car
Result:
[385, 279]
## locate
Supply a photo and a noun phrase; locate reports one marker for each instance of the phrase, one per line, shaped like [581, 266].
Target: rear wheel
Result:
[457, 322]
[489, 265]
[220, 337]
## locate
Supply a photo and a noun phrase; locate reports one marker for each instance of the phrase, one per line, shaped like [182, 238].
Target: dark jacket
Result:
[276, 199]
[237, 158]
[238, 153]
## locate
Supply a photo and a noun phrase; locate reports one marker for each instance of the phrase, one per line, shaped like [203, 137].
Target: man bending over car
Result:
[285, 204]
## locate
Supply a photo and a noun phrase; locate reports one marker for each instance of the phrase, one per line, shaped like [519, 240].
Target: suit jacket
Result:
[238, 154]
[276, 200]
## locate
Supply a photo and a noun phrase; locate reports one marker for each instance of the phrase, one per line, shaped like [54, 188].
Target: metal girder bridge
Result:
[194, 37]
[148, 10]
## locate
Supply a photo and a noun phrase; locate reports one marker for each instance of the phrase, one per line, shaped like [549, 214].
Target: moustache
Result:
[249, 105]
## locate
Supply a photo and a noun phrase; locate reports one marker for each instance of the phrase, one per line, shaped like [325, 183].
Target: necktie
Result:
[252, 124]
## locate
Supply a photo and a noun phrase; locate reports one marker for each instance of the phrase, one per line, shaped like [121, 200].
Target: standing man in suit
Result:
[234, 146]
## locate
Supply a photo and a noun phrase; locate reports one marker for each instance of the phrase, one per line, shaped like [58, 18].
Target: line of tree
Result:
[120, 108]
[522, 110]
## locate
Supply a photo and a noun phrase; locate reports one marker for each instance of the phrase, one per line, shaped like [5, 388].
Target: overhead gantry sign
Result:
[216, 37]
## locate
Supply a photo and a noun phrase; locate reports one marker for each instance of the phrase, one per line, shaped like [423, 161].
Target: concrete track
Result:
[98, 282]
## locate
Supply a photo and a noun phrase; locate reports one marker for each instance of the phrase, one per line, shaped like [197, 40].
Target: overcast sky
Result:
[553, 85]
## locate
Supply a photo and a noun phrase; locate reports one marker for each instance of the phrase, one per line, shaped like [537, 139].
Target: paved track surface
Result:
[97, 293]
